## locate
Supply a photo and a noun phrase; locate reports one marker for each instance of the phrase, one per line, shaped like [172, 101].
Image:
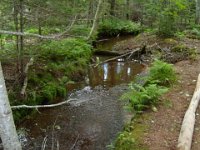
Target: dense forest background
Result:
[46, 44]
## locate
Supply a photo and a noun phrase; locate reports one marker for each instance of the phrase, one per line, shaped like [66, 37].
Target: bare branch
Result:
[43, 106]
[56, 36]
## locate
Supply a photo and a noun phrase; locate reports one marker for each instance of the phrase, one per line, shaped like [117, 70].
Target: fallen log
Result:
[107, 53]
[187, 128]
[122, 55]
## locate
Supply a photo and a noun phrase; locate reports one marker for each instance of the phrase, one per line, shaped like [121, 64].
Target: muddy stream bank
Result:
[94, 119]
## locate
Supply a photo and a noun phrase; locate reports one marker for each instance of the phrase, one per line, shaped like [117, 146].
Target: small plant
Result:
[162, 73]
[141, 98]
[125, 141]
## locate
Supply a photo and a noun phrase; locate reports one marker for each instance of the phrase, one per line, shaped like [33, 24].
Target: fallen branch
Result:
[26, 76]
[44, 143]
[114, 58]
[74, 143]
[187, 128]
[43, 106]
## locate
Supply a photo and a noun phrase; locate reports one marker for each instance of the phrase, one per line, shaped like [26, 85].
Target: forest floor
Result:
[165, 124]
[162, 127]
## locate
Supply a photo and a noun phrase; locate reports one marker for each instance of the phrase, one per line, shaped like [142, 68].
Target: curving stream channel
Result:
[93, 120]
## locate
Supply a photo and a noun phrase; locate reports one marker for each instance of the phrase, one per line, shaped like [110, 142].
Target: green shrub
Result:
[162, 73]
[140, 98]
[114, 26]
[66, 50]
[125, 141]
[80, 30]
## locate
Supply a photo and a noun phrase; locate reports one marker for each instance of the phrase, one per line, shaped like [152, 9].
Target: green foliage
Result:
[80, 30]
[66, 50]
[162, 73]
[125, 141]
[185, 51]
[140, 98]
[114, 26]
[168, 16]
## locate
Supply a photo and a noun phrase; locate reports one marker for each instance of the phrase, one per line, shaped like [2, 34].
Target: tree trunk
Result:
[95, 19]
[186, 133]
[127, 9]
[16, 23]
[197, 11]
[7, 127]
[21, 51]
[112, 7]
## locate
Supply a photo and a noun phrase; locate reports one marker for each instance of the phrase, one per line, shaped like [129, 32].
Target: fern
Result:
[162, 73]
[141, 98]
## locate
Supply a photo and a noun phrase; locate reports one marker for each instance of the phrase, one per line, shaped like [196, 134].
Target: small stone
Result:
[154, 109]
[57, 127]
[197, 129]
[187, 95]
[197, 114]
[181, 92]
[194, 80]
[152, 121]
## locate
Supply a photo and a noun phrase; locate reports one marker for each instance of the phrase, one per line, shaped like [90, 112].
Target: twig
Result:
[52, 146]
[44, 143]
[75, 142]
[43, 106]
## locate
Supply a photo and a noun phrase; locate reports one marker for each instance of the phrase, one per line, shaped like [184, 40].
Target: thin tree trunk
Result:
[7, 127]
[112, 7]
[127, 9]
[95, 20]
[16, 23]
[21, 51]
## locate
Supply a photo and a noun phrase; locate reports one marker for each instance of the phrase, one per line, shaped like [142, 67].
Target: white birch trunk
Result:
[95, 20]
[8, 132]
[187, 128]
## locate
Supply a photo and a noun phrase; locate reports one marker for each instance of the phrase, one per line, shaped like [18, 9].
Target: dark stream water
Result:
[94, 119]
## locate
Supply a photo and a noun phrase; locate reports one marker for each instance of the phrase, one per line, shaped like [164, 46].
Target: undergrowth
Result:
[142, 97]
[114, 26]
[56, 64]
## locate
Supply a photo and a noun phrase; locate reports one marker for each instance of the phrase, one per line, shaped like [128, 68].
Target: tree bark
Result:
[186, 133]
[7, 127]
[21, 50]
[95, 20]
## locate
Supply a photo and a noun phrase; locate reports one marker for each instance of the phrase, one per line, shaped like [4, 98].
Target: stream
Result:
[93, 120]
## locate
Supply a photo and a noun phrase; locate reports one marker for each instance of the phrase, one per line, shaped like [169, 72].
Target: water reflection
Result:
[113, 73]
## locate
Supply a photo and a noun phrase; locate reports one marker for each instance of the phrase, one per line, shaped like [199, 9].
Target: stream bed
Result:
[91, 121]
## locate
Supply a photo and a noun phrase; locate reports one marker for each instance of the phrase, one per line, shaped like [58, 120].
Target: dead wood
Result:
[187, 128]
[30, 63]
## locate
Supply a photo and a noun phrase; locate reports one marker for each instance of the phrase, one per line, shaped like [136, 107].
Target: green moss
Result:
[133, 135]
[185, 51]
